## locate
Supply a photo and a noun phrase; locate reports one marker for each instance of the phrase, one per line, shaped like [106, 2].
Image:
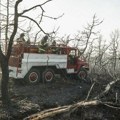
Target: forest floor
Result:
[29, 99]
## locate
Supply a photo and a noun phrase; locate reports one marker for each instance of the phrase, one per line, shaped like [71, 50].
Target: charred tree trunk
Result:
[5, 58]
[4, 81]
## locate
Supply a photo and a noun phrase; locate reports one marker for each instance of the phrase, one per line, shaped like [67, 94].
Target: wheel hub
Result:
[33, 77]
[48, 76]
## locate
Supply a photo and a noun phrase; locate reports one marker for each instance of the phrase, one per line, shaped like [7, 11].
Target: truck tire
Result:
[48, 75]
[82, 74]
[33, 76]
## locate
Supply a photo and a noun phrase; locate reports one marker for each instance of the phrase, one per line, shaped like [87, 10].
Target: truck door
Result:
[72, 59]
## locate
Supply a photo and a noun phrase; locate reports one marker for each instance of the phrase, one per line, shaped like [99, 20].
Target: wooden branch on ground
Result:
[90, 91]
[63, 109]
[107, 88]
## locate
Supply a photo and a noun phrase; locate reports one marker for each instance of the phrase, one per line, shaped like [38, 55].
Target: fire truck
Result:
[28, 64]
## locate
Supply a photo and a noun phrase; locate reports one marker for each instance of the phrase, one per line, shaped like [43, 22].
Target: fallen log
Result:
[63, 109]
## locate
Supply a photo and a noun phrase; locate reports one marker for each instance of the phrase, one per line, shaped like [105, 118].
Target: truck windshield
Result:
[73, 52]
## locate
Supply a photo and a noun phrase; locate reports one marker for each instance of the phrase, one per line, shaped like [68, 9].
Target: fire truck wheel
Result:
[48, 75]
[82, 74]
[33, 76]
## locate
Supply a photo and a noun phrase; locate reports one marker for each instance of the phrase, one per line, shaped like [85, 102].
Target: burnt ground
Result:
[28, 99]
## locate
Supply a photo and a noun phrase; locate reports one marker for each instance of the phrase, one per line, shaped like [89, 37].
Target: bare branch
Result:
[35, 23]
[107, 88]
[90, 91]
[45, 2]
[40, 5]
[27, 10]
[55, 18]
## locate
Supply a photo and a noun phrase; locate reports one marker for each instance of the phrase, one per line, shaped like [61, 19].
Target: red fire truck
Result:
[28, 64]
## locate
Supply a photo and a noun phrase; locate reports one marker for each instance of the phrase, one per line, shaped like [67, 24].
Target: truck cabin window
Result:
[72, 53]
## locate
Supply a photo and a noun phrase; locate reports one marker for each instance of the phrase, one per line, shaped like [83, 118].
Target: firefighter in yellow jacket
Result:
[43, 45]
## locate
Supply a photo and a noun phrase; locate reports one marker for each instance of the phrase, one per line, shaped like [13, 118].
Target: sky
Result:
[77, 13]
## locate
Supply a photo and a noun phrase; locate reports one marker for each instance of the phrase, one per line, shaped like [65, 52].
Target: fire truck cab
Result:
[28, 64]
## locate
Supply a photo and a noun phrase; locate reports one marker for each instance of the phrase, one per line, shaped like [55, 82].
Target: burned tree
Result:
[89, 32]
[4, 58]
[114, 48]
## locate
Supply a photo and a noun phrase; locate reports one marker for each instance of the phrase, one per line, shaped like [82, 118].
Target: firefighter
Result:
[21, 39]
[54, 43]
[20, 44]
[55, 48]
[28, 42]
[43, 45]
[72, 59]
